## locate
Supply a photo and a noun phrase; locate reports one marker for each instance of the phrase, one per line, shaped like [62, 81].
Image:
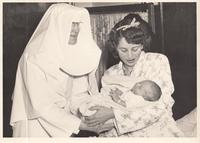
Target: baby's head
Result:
[148, 89]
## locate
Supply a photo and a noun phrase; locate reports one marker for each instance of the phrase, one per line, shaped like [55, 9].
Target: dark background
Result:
[180, 47]
[175, 34]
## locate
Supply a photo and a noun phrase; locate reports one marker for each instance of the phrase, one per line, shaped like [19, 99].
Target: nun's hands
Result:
[98, 128]
[102, 115]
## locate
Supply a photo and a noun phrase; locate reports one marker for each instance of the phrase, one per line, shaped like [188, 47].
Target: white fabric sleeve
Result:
[79, 93]
[55, 120]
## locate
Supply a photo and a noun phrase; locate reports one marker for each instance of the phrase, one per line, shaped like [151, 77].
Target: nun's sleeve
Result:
[41, 103]
[79, 94]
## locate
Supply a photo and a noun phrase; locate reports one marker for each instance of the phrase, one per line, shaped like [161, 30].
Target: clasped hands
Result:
[96, 122]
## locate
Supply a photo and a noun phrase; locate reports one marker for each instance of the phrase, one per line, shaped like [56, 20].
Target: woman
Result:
[56, 65]
[129, 42]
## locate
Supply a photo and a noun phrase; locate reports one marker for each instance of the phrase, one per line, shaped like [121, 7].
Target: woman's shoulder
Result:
[150, 56]
[112, 70]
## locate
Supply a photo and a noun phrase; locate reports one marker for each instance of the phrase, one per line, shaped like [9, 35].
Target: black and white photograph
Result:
[99, 69]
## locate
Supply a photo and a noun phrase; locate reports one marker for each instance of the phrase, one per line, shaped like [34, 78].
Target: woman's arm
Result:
[140, 118]
[160, 73]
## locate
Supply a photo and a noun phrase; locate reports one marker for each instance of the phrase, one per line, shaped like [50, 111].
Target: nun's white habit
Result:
[51, 71]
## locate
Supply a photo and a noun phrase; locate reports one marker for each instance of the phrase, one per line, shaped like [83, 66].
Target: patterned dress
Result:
[156, 119]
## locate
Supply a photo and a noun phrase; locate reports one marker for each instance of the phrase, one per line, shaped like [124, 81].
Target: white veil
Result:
[48, 46]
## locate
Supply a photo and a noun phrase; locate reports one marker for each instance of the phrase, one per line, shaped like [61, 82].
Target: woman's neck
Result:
[127, 70]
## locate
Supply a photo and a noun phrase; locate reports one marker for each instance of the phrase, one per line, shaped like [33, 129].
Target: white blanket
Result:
[188, 124]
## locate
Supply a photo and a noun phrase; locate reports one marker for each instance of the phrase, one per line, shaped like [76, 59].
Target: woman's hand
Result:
[102, 115]
[97, 129]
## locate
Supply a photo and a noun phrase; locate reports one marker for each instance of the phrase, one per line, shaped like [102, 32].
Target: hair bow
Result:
[132, 24]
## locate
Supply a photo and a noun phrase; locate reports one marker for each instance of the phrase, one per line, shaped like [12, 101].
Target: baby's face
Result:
[140, 89]
[147, 89]
[143, 89]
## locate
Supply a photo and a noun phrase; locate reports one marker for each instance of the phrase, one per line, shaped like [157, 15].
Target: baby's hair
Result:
[155, 92]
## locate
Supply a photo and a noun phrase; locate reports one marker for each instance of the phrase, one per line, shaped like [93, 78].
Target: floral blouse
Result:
[155, 67]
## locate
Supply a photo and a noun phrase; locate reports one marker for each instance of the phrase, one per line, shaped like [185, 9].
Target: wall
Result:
[180, 46]
[97, 4]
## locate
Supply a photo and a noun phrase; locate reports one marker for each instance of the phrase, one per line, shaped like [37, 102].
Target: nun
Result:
[59, 62]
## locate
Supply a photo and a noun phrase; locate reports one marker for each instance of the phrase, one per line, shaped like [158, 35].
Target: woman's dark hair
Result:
[140, 34]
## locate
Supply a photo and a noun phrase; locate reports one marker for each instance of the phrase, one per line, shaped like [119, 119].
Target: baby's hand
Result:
[116, 91]
[114, 94]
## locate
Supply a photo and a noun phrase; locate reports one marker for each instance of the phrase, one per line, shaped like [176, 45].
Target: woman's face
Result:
[74, 33]
[129, 53]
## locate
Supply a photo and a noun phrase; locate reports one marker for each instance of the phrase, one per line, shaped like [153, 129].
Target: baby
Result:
[146, 89]
[141, 94]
